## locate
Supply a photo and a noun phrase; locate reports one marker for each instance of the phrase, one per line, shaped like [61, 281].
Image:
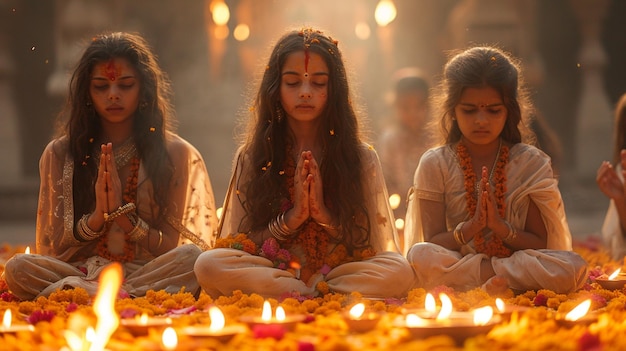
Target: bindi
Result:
[111, 71]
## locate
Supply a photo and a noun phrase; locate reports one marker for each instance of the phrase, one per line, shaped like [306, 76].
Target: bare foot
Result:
[496, 285]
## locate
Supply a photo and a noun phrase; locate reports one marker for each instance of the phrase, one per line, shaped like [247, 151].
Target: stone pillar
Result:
[594, 114]
[508, 24]
[11, 155]
[77, 21]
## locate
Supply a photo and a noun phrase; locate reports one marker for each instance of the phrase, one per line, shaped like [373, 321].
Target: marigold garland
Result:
[494, 246]
[238, 241]
[313, 238]
[130, 195]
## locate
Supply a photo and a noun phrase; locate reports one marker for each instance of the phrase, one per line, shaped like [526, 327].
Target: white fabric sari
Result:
[440, 178]
[61, 260]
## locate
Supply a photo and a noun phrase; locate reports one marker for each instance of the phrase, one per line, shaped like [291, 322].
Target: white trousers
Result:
[559, 271]
[30, 276]
[222, 271]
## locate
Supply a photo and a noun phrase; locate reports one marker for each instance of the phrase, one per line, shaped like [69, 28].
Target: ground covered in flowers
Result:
[324, 327]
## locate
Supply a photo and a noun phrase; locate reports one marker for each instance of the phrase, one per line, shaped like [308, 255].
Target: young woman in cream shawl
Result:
[118, 185]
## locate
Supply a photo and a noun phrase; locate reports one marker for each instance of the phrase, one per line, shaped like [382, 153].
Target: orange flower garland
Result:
[494, 246]
[314, 240]
[130, 195]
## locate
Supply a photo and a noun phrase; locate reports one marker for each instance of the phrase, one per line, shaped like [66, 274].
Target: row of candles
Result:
[421, 323]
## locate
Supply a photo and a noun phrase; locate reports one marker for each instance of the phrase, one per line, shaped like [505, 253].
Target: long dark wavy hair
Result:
[485, 66]
[268, 139]
[152, 120]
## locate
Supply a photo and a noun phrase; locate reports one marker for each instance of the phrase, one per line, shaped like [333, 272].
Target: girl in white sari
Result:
[485, 208]
[307, 194]
[118, 185]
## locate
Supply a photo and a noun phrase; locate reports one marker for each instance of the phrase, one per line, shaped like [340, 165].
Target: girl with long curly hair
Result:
[307, 192]
[117, 184]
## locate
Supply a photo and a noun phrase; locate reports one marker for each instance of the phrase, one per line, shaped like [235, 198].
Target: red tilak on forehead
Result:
[110, 71]
[306, 60]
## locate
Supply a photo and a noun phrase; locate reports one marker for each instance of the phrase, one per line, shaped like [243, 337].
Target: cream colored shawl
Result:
[529, 176]
[191, 214]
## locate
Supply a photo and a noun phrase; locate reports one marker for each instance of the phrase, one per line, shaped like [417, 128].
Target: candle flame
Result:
[500, 305]
[579, 311]
[73, 340]
[169, 339]
[6, 320]
[143, 320]
[266, 315]
[280, 313]
[483, 315]
[357, 311]
[217, 319]
[446, 307]
[615, 274]
[429, 304]
[27, 251]
[413, 320]
[104, 305]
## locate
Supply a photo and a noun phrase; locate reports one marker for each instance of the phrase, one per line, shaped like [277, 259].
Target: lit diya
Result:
[615, 281]
[578, 315]
[8, 327]
[217, 329]
[506, 311]
[430, 308]
[141, 324]
[169, 339]
[458, 325]
[360, 321]
[272, 326]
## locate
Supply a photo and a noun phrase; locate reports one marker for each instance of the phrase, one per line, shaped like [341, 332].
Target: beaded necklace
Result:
[130, 195]
[494, 246]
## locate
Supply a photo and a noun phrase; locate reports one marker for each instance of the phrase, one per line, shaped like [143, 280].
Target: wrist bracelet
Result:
[458, 234]
[139, 231]
[84, 232]
[279, 229]
[512, 235]
[326, 226]
[160, 240]
[129, 207]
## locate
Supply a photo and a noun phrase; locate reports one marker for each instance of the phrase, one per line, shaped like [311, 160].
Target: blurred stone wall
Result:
[212, 78]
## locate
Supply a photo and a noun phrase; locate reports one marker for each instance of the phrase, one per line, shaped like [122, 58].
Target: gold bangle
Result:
[84, 232]
[160, 240]
[326, 226]
[512, 235]
[127, 208]
[458, 234]
[139, 231]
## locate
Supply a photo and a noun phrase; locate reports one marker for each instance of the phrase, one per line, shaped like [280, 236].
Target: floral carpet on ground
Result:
[324, 326]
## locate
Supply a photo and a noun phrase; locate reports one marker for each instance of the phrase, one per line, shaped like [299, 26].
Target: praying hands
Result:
[308, 195]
